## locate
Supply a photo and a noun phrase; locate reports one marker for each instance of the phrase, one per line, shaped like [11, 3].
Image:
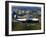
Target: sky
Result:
[33, 9]
[27, 8]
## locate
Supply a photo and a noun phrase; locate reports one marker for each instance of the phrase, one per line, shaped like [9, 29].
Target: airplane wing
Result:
[21, 19]
[33, 19]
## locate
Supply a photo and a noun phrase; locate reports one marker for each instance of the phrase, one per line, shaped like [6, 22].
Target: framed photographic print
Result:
[24, 18]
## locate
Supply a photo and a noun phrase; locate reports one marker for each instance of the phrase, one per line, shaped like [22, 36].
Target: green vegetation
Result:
[25, 26]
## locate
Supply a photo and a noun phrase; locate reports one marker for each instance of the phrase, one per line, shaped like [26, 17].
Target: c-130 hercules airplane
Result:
[19, 16]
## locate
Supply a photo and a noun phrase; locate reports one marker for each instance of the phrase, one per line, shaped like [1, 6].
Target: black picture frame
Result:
[7, 18]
